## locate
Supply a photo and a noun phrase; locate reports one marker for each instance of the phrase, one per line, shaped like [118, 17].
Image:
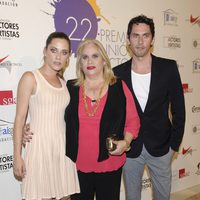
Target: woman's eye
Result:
[65, 52]
[84, 57]
[95, 56]
[53, 50]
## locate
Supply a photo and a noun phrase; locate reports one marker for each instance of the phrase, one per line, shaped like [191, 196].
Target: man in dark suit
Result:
[156, 87]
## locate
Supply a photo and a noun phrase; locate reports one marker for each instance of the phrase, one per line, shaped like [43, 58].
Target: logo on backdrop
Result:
[183, 173]
[9, 30]
[77, 18]
[7, 64]
[80, 19]
[11, 3]
[196, 65]
[187, 151]
[170, 17]
[195, 109]
[196, 43]
[196, 129]
[194, 20]
[179, 174]
[6, 130]
[171, 42]
[6, 163]
[7, 98]
[146, 183]
[186, 88]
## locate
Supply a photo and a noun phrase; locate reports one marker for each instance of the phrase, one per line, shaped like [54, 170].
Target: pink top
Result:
[88, 149]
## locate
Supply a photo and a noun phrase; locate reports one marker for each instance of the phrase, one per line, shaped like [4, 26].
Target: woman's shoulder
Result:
[28, 76]
[27, 82]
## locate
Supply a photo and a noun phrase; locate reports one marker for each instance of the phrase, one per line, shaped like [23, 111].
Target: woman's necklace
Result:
[96, 105]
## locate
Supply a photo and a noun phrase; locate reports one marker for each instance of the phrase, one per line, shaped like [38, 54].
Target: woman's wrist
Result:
[128, 146]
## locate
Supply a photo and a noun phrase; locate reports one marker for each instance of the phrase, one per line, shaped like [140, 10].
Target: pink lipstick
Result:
[91, 67]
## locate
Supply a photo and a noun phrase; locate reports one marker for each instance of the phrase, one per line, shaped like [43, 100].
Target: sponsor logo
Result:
[170, 17]
[6, 130]
[186, 88]
[194, 20]
[11, 3]
[9, 30]
[196, 129]
[172, 42]
[187, 151]
[2, 59]
[6, 163]
[195, 109]
[183, 173]
[7, 64]
[77, 25]
[6, 98]
[196, 43]
[196, 65]
[146, 183]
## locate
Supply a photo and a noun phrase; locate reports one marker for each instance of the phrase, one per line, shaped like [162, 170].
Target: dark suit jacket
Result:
[157, 132]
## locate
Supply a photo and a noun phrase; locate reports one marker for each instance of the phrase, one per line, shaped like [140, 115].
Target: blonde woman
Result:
[100, 105]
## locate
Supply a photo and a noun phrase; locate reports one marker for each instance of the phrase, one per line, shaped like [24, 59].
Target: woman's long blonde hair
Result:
[108, 74]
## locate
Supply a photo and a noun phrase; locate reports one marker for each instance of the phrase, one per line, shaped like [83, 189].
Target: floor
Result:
[192, 193]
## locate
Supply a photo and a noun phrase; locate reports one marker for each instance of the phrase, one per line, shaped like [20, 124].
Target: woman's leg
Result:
[108, 185]
[86, 181]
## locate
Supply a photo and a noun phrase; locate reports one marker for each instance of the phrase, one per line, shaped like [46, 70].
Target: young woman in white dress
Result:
[45, 171]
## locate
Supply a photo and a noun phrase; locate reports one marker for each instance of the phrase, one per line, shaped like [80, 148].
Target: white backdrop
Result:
[25, 25]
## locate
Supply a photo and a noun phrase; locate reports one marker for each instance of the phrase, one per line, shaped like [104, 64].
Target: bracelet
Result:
[128, 148]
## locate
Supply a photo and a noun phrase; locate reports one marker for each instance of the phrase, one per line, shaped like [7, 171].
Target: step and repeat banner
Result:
[25, 25]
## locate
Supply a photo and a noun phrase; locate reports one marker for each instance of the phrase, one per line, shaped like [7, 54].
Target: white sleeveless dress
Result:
[49, 173]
